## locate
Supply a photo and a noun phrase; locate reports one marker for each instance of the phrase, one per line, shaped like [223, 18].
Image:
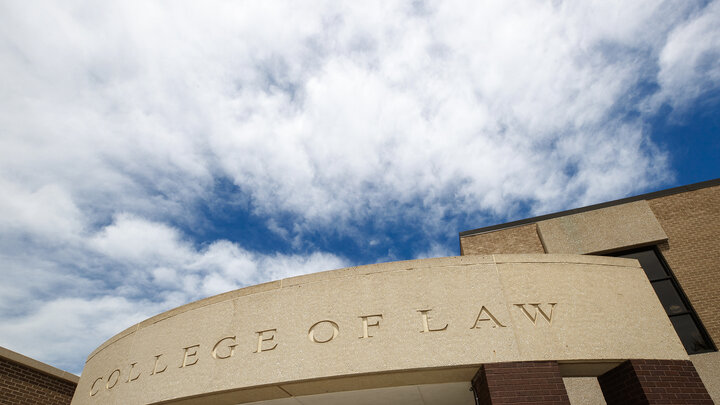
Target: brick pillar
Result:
[537, 382]
[654, 382]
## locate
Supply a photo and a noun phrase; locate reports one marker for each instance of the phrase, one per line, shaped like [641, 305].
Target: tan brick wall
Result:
[21, 385]
[520, 239]
[691, 221]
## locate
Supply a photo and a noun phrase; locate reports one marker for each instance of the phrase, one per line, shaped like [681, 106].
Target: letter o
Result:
[311, 332]
[107, 385]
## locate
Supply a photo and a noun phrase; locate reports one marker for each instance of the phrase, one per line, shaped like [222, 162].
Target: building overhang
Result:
[403, 324]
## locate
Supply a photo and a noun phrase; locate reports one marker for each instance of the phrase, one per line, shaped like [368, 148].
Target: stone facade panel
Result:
[521, 239]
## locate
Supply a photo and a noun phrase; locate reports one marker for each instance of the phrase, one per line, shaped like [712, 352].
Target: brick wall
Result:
[521, 239]
[691, 221]
[654, 382]
[523, 382]
[21, 385]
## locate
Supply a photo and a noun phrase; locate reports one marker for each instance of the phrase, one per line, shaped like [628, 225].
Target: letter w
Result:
[538, 310]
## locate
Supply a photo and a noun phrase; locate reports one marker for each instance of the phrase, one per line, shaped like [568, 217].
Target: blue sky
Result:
[154, 153]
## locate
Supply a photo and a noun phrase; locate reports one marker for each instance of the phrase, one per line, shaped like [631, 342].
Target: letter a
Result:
[490, 318]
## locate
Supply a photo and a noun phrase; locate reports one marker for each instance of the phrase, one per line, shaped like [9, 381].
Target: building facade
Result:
[612, 303]
[24, 381]
[674, 235]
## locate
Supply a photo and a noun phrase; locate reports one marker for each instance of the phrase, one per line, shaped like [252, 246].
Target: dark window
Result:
[683, 317]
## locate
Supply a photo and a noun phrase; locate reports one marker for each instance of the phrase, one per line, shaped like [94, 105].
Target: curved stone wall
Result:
[414, 322]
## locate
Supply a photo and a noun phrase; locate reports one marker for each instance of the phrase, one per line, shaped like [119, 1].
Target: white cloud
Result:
[64, 331]
[47, 212]
[436, 250]
[335, 110]
[137, 240]
[120, 118]
[127, 271]
[690, 60]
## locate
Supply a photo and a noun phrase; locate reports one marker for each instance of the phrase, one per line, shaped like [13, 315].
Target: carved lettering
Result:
[189, 354]
[130, 377]
[94, 391]
[217, 346]
[489, 317]
[365, 324]
[426, 323]
[538, 310]
[262, 338]
[335, 332]
[323, 331]
[155, 367]
[110, 386]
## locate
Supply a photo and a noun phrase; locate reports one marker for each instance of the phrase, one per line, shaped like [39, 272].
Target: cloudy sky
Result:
[155, 153]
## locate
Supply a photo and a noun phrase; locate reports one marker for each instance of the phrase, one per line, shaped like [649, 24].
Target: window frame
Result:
[689, 310]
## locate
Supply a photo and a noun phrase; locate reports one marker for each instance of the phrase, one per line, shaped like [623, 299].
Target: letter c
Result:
[92, 387]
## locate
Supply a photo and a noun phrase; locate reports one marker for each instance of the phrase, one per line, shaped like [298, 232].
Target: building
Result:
[674, 235]
[24, 381]
[553, 309]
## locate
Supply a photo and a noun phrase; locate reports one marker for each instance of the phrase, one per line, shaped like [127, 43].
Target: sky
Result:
[156, 153]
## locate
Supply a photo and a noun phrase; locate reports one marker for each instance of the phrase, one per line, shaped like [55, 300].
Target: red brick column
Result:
[523, 382]
[654, 382]
[20, 385]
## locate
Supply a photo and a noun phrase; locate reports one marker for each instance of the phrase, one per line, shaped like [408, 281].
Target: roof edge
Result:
[37, 365]
[646, 196]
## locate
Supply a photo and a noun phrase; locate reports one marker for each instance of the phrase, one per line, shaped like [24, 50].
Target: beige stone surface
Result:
[708, 367]
[604, 310]
[384, 380]
[566, 258]
[586, 298]
[602, 230]
[425, 394]
[518, 239]
[584, 391]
